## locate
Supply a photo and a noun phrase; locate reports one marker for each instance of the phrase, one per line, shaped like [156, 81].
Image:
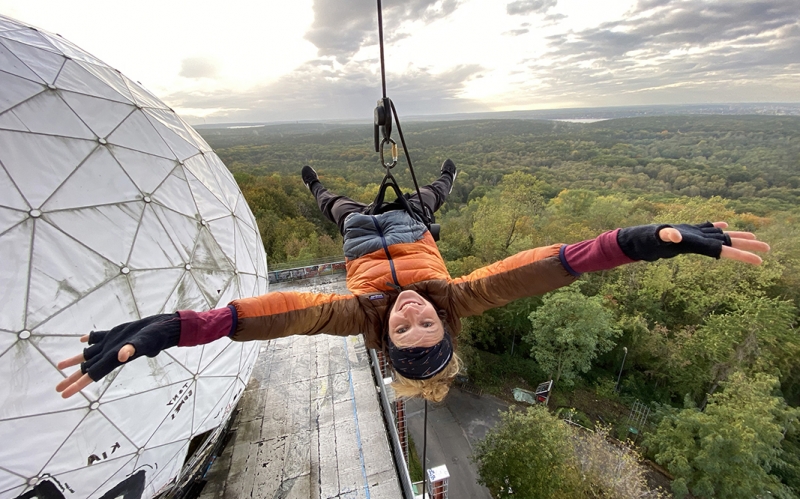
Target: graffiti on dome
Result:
[179, 399]
[51, 488]
[104, 455]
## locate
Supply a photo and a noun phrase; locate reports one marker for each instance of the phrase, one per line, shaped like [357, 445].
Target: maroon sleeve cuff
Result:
[199, 328]
[600, 253]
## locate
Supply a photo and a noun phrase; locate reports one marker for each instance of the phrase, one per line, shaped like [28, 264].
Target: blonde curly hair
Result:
[434, 389]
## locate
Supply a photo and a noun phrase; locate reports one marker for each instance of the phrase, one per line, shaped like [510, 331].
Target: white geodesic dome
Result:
[111, 208]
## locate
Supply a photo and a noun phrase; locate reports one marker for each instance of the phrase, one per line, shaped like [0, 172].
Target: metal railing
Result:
[397, 447]
[306, 271]
[306, 263]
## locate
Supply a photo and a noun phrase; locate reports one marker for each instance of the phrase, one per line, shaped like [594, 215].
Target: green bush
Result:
[529, 455]
[604, 388]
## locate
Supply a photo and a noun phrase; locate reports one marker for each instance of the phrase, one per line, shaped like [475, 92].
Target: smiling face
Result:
[413, 322]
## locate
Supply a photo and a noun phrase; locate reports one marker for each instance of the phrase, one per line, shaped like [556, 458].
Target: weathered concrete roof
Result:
[310, 424]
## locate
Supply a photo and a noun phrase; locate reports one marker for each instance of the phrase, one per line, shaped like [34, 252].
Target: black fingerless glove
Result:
[642, 242]
[149, 336]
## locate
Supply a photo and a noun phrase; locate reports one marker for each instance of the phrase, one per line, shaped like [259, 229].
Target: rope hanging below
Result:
[425, 450]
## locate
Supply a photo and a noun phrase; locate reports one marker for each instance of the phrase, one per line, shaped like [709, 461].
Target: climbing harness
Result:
[384, 112]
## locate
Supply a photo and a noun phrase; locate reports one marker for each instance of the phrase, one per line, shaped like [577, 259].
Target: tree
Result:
[569, 332]
[730, 449]
[783, 234]
[529, 454]
[686, 289]
[501, 330]
[756, 337]
[612, 470]
[504, 218]
[789, 471]
[706, 320]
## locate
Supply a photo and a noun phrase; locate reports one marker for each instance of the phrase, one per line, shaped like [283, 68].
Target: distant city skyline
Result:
[243, 61]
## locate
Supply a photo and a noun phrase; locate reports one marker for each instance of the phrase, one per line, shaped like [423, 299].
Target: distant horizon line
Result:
[571, 113]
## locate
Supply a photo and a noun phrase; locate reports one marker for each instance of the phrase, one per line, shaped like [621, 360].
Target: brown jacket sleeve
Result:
[528, 273]
[280, 314]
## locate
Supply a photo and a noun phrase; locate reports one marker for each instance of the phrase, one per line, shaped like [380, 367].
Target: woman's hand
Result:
[110, 349]
[742, 244]
[654, 242]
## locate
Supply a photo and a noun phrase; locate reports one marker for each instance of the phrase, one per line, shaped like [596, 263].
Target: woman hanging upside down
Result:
[403, 300]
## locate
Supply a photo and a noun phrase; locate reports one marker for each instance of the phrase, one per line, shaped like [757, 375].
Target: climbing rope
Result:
[380, 38]
[424, 450]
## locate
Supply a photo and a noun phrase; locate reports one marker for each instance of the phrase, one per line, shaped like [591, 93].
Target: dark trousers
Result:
[336, 207]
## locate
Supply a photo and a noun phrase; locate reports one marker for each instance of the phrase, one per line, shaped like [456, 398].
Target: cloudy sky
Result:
[278, 60]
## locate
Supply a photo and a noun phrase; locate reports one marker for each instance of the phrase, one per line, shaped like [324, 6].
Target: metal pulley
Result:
[383, 121]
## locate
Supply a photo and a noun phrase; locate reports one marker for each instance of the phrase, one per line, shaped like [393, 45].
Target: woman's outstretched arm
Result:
[655, 242]
[537, 271]
[265, 317]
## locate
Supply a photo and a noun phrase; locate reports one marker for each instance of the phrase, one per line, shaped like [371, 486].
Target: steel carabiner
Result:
[391, 165]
